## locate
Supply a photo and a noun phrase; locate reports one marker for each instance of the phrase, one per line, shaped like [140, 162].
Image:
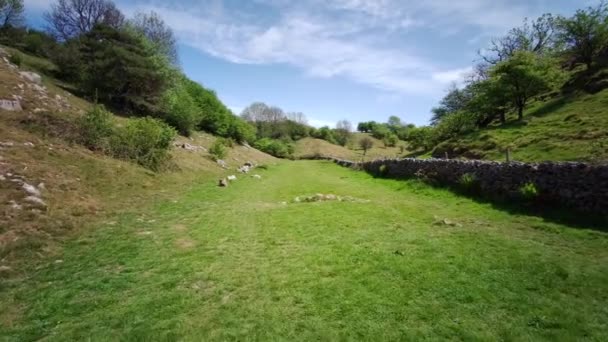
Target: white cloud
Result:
[318, 123]
[340, 38]
[451, 76]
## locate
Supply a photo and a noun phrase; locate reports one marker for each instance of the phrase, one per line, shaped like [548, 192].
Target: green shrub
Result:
[95, 128]
[180, 110]
[468, 183]
[383, 170]
[145, 140]
[16, 59]
[275, 148]
[391, 140]
[218, 149]
[528, 191]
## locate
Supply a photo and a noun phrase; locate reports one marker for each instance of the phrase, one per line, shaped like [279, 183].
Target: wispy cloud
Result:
[345, 38]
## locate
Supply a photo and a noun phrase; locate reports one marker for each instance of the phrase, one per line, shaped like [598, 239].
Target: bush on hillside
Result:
[146, 141]
[180, 110]
[391, 140]
[218, 149]
[275, 148]
[16, 59]
[95, 128]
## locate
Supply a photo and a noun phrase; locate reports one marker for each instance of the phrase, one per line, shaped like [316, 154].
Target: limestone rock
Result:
[32, 77]
[11, 105]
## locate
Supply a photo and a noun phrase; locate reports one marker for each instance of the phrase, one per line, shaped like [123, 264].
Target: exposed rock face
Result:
[581, 186]
[32, 77]
[11, 105]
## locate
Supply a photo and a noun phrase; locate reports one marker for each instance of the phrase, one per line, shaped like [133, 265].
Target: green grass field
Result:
[239, 264]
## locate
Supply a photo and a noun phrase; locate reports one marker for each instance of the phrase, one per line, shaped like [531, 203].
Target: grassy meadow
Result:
[401, 261]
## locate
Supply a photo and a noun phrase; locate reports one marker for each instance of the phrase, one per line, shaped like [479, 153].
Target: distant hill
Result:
[311, 147]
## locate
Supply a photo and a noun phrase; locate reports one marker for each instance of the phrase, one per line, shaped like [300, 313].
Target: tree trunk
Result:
[503, 117]
[520, 113]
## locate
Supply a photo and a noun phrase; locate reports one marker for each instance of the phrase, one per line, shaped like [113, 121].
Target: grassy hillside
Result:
[399, 261]
[78, 186]
[313, 147]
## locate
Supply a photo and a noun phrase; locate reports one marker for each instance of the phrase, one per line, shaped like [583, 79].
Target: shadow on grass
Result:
[547, 211]
[550, 212]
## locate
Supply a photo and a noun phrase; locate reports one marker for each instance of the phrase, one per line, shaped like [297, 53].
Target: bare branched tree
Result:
[153, 27]
[536, 36]
[11, 13]
[71, 18]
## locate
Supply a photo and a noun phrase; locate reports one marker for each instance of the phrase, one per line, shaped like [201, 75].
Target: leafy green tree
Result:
[455, 100]
[11, 13]
[524, 76]
[380, 131]
[394, 122]
[179, 108]
[488, 102]
[120, 68]
[422, 138]
[366, 127]
[586, 33]
[391, 140]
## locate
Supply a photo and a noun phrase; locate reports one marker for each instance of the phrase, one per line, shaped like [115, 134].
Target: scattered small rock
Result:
[16, 206]
[59, 261]
[32, 190]
[257, 176]
[231, 178]
[223, 183]
[5, 269]
[446, 222]
[36, 201]
[222, 163]
[29, 144]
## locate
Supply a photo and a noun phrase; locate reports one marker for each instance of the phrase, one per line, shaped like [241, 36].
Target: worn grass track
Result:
[237, 264]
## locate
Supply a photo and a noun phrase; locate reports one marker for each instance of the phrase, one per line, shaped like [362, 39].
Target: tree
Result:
[394, 122]
[152, 26]
[120, 69]
[455, 100]
[524, 76]
[586, 33]
[366, 127]
[537, 36]
[488, 102]
[366, 144]
[11, 13]
[68, 19]
[391, 140]
[297, 117]
[343, 132]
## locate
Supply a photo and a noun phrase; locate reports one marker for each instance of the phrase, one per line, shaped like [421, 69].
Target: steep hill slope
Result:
[50, 186]
[567, 128]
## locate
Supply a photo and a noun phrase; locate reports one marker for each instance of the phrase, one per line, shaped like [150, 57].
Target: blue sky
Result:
[335, 59]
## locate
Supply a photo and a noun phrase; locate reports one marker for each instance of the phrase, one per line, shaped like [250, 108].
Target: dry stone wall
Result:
[581, 186]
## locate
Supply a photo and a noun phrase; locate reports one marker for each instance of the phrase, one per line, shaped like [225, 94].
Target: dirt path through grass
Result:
[238, 263]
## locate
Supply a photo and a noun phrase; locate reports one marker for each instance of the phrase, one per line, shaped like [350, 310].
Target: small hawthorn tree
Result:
[524, 76]
[366, 144]
[11, 13]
